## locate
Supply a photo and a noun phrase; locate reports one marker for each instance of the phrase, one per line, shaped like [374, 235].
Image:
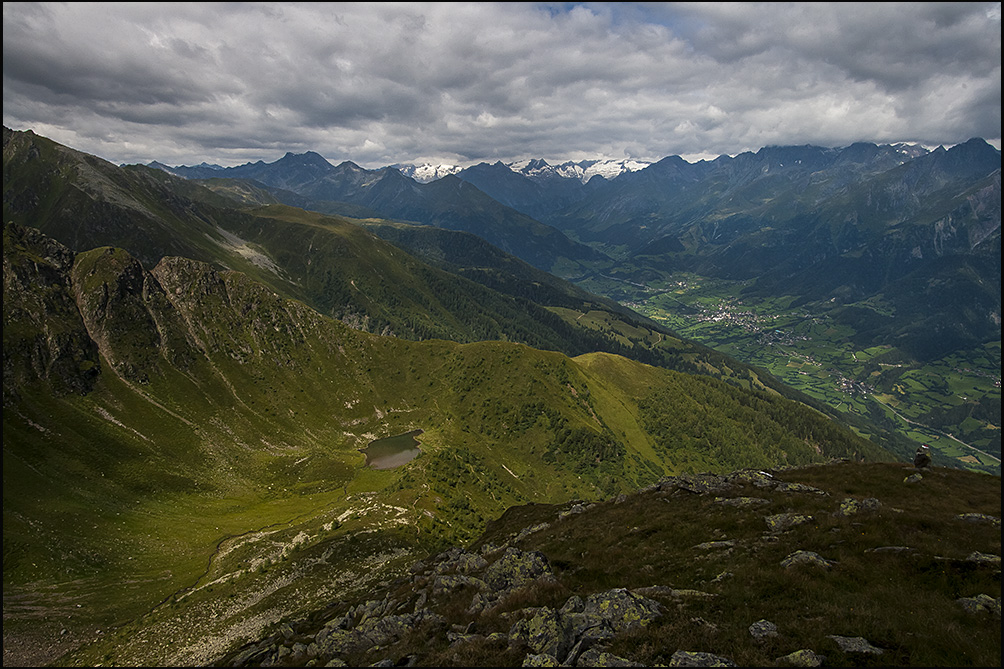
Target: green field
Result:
[952, 403]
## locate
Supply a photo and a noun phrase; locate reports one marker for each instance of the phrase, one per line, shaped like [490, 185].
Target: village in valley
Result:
[809, 349]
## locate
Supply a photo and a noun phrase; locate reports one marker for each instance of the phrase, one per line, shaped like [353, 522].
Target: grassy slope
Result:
[224, 414]
[900, 554]
[224, 426]
[904, 602]
[325, 261]
[336, 268]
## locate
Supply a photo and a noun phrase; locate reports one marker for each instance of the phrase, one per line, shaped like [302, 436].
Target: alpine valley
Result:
[867, 277]
[196, 358]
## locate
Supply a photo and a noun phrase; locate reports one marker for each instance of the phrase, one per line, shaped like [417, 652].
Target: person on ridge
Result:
[923, 457]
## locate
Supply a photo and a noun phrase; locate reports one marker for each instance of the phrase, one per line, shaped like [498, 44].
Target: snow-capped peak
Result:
[427, 172]
[611, 169]
[534, 168]
[583, 170]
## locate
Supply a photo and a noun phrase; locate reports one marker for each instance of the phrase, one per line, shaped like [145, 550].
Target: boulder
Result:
[763, 629]
[622, 608]
[759, 478]
[685, 658]
[675, 593]
[451, 582]
[801, 658]
[855, 644]
[806, 557]
[598, 658]
[548, 633]
[741, 502]
[516, 568]
[851, 506]
[980, 518]
[785, 521]
[462, 563]
[783, 486]
[570, 631]
[985, 559]
[981, 604]
[371, 631]
[891, 549]
[575, 509]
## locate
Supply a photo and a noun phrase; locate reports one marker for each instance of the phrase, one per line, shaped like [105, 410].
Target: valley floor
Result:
[952, 404]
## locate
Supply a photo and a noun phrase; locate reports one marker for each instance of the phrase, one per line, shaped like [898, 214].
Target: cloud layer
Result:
[381, 83]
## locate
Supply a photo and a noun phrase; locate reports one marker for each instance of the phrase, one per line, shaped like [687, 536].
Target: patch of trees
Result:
[733, 428]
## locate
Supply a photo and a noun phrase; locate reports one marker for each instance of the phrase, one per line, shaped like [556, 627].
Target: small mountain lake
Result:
[391, 452]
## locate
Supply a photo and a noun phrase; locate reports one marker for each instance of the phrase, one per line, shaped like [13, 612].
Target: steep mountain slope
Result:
[86, 201]
[156, 422]
[334, 265]
[328, 262]
[193, 431]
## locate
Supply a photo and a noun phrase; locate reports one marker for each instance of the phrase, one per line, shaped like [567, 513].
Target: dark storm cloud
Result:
[455, 82]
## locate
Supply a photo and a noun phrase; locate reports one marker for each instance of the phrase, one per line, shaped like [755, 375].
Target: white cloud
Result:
[379, 83]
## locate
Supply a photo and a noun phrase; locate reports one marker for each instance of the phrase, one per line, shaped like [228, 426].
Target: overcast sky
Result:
[461, 83]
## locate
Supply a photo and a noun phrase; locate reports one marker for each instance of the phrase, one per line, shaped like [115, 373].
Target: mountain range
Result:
[841, 225]
[192, 368]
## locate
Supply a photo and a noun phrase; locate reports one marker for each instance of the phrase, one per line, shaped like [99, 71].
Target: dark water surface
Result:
[391, 452]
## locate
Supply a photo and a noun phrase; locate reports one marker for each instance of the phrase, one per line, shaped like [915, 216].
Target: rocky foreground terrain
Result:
[843, 564]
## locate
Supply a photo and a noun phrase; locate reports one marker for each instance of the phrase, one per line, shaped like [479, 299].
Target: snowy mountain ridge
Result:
[426, 172]
[536, 169]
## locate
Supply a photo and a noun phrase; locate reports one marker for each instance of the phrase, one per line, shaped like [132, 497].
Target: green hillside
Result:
[329, 262]
[187, 427]
[462, 289]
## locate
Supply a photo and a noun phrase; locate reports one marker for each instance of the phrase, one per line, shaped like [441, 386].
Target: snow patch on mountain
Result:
[536, 169]
[427, 172]
[583, 170]
[611, 169]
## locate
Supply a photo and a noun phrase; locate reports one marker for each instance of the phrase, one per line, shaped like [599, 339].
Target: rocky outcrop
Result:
[493, 589]
[980, 518]
[567, 633]
[723, 484]
[572, 635]
[44, 338]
